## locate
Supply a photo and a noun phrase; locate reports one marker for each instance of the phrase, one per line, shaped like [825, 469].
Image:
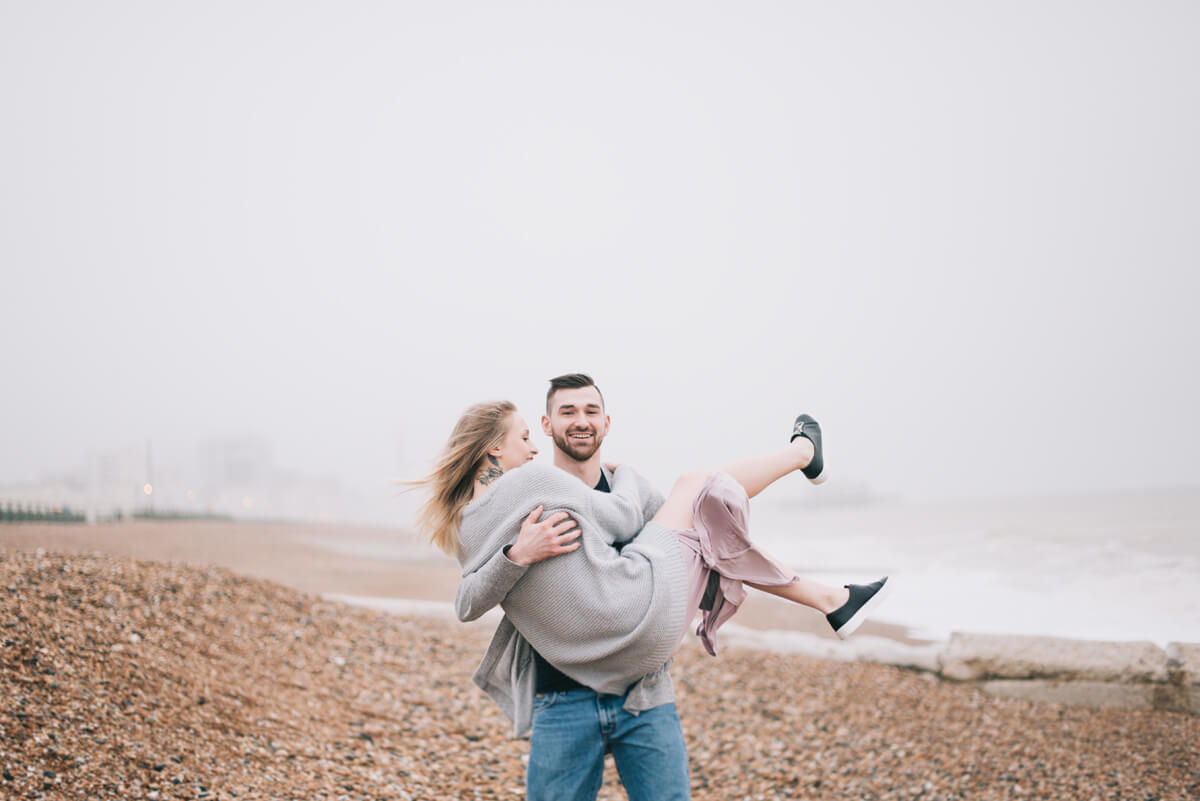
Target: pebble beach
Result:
[132, 678]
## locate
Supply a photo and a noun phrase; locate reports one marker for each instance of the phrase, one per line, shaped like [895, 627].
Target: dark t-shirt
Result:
[548, 678]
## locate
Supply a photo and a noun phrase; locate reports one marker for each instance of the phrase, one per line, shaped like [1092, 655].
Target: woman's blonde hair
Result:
[452, 482]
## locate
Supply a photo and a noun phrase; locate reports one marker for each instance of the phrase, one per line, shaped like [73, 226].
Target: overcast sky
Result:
[964, 235]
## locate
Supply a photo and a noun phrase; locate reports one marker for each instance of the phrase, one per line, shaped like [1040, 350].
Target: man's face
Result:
[576, 422]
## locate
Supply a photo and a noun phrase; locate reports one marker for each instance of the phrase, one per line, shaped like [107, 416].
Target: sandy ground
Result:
[289, 554]
[127, 679]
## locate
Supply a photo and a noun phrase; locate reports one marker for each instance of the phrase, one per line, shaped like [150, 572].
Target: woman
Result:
[604, 616]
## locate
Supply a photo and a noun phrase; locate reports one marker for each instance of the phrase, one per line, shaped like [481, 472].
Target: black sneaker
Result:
[810, 429]
[863, 598]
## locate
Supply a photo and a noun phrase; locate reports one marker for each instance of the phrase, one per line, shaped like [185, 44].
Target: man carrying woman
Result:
[598, 592]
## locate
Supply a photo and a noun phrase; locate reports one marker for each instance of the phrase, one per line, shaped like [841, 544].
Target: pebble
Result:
[368, 705]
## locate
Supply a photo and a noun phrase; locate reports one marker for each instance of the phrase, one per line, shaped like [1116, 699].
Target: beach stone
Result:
[1091, 694]
[972, 657]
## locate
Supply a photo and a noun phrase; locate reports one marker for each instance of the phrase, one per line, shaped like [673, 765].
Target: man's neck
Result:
[588, 472]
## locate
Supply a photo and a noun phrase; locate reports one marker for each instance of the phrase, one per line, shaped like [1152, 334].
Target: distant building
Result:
[226, 476]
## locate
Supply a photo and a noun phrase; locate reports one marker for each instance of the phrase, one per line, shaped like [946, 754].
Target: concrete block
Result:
[971, 657]
[1094, 694]
[1184, 660]
[883, 651]
[863, 648]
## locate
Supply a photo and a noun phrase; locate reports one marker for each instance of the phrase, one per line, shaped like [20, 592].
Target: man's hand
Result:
[555, 535]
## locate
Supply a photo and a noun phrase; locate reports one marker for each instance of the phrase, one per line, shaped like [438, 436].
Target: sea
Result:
[1122, 566]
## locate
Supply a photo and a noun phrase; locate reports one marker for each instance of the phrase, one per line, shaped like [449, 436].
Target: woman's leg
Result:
[676, 511]
[807, 592]
[754, 474]
[845, 607]
[677, 514]
[760, 472]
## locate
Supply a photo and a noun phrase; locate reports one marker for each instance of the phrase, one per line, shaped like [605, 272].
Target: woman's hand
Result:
[555, 535]
[612, 466]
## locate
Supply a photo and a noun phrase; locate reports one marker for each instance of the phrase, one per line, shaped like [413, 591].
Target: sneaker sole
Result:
[819, 480]
[865, 610]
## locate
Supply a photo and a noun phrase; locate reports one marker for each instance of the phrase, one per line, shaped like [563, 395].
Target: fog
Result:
[962, 235]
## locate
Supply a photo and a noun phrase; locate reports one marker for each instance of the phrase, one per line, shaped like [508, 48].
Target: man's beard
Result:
[578, 450]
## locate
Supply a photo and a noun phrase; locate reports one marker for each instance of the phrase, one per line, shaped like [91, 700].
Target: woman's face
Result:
[518, 447]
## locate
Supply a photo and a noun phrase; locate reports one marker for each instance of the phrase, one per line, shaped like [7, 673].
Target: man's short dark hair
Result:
[571, 381]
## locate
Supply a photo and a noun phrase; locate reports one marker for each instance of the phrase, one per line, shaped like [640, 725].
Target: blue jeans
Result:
[572, 731]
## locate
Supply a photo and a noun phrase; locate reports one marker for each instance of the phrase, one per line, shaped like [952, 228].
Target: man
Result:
[573, 726]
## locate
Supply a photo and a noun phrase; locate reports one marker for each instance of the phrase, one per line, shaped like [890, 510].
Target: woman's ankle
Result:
[804, 452]
[835, 599]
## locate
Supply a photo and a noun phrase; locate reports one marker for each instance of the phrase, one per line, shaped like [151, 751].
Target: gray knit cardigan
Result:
[608, 619]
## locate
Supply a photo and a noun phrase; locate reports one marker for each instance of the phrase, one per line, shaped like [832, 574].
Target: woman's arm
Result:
[624, 511]
[486, 587]
[537, 541]
[618, 515]
[494, 563]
